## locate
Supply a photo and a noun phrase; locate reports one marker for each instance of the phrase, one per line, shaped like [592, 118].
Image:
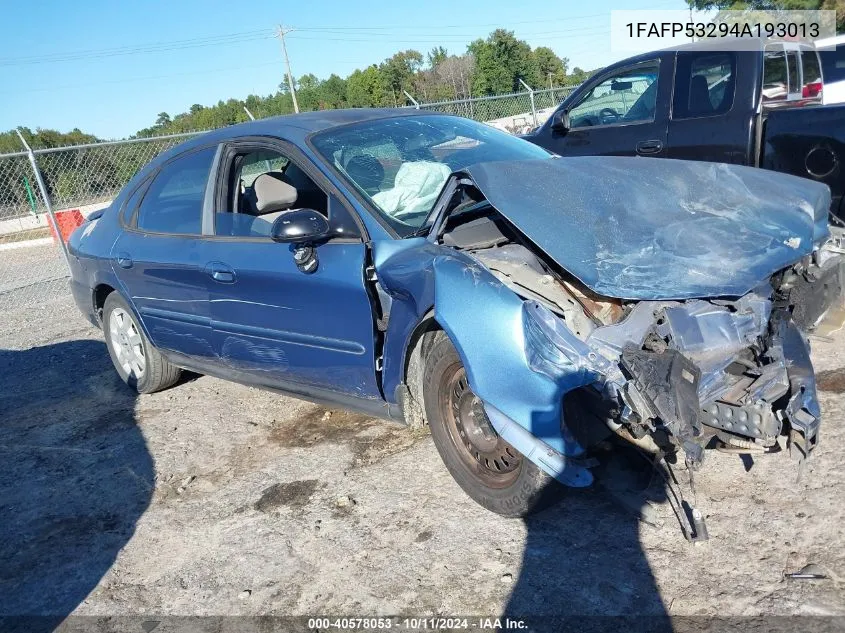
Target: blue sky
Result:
[110, 67]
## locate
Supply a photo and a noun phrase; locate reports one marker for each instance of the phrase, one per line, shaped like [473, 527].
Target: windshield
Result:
[402, 163]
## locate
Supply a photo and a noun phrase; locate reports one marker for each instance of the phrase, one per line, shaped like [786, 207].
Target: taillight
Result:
[811, 90]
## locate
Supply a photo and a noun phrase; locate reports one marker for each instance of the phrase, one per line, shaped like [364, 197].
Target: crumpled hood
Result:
[649, 228]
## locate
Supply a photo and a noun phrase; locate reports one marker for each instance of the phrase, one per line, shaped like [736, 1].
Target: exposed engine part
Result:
[520, 269]
[756, 420]
[813, 289]
[738, 446]
[603, 311]
[665, 387]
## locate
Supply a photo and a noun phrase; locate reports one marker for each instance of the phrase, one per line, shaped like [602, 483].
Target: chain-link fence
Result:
[516, 113]
[44, 193]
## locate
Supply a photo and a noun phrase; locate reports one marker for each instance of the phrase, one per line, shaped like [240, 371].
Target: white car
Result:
[833, 69]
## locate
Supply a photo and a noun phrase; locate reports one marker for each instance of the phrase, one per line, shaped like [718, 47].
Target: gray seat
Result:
[269, 193]
[263, 202]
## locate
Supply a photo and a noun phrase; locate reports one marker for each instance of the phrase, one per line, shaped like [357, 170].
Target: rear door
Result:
[709, 120]
[274, 324]
[624, 113]
[159, 258]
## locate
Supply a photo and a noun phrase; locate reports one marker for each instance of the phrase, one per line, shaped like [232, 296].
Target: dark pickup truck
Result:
[757, 107]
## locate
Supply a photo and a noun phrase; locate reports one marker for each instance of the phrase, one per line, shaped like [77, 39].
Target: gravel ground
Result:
[214, 498]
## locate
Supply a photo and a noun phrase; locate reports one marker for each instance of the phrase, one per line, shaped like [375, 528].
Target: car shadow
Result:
[583, 566]
[75, 477]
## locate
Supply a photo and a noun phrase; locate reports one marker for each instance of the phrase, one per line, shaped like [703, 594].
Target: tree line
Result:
[489, 66]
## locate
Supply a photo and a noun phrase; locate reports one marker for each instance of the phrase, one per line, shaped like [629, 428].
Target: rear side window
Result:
[173, 202]
[704, 84]
[811, 86]
[775, 75]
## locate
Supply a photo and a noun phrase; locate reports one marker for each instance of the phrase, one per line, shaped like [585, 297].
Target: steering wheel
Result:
[608, 115]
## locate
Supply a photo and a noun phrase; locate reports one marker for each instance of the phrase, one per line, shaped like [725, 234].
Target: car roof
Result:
[290, 127]
[742, 45]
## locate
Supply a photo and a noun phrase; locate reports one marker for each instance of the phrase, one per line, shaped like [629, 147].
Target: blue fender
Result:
[485, 321]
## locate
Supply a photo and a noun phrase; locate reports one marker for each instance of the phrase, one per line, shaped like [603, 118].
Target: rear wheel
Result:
[138, 363]
[490, 470]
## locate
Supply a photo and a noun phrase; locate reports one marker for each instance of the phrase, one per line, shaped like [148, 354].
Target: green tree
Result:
[368, 88]
[500, 62]
[551, 67]
[333, 92]
[436, 55]
[775, 5]
[398, 71]
[162, 119]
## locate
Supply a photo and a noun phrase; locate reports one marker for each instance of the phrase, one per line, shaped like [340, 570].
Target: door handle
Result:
[123, 260]
[652, 146]
[220, 272]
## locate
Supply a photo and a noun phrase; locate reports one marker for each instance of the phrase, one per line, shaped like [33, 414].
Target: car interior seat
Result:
[261, 203]
[699, 96]
[309, 195]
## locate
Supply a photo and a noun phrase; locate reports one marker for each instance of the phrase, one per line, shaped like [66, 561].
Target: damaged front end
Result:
[559, 364]
[689, 373]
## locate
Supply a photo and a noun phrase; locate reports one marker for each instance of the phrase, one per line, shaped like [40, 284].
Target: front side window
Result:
[704, 84]
[629, 96]
[173, 202]
[263, 184]
[400, 164]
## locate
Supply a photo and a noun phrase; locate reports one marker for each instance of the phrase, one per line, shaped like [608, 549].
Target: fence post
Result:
[412, 100]
[47, 203]
[531, 96]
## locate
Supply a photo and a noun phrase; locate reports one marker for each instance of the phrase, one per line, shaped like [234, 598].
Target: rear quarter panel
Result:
[89, 258]
[808, 142]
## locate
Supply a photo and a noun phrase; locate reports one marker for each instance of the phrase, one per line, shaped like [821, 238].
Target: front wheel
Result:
[139, 364]
[490, 470]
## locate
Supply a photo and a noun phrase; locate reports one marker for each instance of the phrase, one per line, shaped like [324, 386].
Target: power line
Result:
[137, 79]
[217, 40]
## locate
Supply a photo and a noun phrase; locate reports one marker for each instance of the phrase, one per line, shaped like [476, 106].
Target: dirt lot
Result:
[213, 498]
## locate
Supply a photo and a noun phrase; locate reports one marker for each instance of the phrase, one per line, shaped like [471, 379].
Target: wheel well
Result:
[100, 293]
[419, 343]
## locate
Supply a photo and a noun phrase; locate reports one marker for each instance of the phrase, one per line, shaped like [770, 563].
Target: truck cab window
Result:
[704, 84]
[628, 96]
[811, 85]
[775, 74]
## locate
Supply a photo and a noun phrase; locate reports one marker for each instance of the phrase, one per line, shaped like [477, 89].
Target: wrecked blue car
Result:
[430, 269]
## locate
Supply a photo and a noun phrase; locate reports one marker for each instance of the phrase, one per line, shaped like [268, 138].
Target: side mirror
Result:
[302, 226]
[560, 122]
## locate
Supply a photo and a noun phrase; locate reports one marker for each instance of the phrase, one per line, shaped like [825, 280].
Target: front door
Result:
[623, 114]
[272, 322]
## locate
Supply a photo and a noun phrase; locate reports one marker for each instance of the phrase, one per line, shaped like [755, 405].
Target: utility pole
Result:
[550, 80]
[282, 32]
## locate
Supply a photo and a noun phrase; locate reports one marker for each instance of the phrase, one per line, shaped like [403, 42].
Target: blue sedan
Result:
[433, 270]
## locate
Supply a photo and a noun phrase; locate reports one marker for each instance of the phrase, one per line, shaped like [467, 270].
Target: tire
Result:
[490, 471]
[139, 364]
